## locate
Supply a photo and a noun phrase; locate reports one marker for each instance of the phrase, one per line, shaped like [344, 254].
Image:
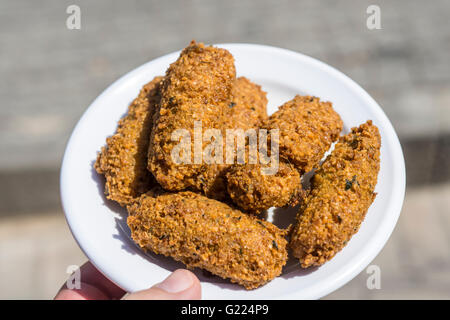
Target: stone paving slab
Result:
[35, 252]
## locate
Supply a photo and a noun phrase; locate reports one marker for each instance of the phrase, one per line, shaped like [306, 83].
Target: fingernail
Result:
[178, 281]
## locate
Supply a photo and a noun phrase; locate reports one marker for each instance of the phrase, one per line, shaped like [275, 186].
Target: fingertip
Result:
[181, 284]
[195, 291]
[178, 281]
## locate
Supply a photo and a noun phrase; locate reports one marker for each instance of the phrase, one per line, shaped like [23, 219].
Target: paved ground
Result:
[49, 75]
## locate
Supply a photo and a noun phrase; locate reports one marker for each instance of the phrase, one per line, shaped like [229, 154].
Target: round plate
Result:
[99, 226]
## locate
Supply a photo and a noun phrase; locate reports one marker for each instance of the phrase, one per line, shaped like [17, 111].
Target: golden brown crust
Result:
[247, 110]
[248, 107]
[201, 232]
[123, 161]
[205, 233]
[307, 127]
[342, 191]
[197, 87]
[255, 192]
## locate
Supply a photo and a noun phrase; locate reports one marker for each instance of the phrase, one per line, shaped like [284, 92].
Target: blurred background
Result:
[49, 75]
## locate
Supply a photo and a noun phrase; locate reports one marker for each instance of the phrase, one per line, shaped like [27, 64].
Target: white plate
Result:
[99, 226]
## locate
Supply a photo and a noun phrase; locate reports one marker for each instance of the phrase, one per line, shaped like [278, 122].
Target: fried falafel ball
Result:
[307, 128]
[197, 87]
[247, 110]
[254, 192]
[248, 107]
[123, 161]
[342, 192]
[208, 234]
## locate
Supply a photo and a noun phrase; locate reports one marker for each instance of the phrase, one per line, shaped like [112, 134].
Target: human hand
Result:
[181, 284]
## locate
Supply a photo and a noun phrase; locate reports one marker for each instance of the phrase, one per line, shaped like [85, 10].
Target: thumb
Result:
[180, 285]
